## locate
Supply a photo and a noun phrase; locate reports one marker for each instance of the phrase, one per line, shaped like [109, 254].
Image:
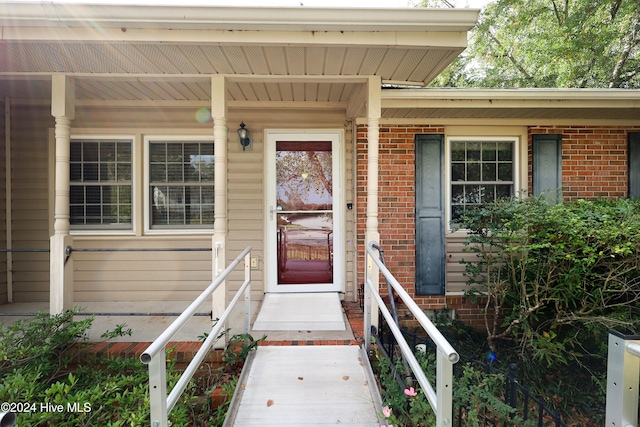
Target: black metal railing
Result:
[525, 406]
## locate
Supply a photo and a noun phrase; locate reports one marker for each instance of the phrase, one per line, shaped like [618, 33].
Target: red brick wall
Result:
[594, 160]
[396, 220]
[594, 164]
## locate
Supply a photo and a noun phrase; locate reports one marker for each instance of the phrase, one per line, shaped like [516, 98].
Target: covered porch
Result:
[165, 80]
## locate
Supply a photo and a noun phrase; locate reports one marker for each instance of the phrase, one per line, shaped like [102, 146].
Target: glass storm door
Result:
[302, 216]
[304, 210]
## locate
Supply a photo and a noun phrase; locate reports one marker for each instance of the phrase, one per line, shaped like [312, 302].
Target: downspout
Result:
[8, 196]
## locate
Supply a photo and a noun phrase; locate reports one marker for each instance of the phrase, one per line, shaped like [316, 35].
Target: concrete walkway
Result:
[318, 385]
[302, 378]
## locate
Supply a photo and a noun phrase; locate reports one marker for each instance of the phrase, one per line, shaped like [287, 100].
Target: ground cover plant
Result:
[477, 395]
[556, 278]
[39, 378]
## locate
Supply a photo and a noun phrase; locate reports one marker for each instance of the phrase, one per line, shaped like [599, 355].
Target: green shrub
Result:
[556, 279]
[36, 375]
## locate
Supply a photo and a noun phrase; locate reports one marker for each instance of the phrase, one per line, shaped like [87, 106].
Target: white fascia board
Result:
[510, 98]
[46, 14]
[421, 40]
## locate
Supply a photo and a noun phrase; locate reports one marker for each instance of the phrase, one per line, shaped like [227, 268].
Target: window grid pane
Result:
[481, 172]
[100, 193]
[181, 176]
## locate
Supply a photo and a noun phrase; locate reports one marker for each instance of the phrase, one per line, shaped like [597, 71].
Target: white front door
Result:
[304, 211]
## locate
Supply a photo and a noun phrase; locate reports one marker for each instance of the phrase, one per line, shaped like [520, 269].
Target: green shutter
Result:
[430, 227]
[547, 166]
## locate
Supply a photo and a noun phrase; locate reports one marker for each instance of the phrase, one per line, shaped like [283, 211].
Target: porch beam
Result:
[220, 226]
[61, 268]
[357, 102]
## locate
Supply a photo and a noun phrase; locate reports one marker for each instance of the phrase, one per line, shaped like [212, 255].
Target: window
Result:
[481, 172]
[100, 187]
[181, 174]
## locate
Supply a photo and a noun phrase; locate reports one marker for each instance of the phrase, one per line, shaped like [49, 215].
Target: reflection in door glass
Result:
[305, 248]
[304, 176]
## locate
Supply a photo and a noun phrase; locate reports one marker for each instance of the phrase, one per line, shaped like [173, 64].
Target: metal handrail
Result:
[394, 312]
[70, 249]
[155, 354]
[441, 399]
[623, 380]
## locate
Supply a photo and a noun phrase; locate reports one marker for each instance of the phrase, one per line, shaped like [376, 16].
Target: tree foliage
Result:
[551, 43]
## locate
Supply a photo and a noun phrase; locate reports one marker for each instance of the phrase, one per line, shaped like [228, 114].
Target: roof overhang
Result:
[169, 53]
[516, 104]
[61, 15]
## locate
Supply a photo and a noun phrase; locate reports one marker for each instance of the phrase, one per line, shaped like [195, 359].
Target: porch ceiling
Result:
[193, 90]
[144, 53]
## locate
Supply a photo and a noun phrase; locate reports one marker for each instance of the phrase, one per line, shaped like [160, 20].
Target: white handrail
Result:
[440, 399]
[155, 354]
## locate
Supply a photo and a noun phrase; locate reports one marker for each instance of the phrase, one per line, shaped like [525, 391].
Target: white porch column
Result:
[61, 273]
[220, 137]
[374, 112]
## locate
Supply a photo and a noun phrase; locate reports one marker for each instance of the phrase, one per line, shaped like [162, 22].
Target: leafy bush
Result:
[37, 376]
[41, 342]
[556, 279]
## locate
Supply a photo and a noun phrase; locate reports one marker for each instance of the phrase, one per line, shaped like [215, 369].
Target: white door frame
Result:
[336, 136]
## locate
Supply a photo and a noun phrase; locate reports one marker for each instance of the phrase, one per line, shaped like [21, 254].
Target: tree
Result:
[551, 43]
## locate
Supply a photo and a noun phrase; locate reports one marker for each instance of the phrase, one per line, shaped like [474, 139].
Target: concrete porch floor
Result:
[148, 320]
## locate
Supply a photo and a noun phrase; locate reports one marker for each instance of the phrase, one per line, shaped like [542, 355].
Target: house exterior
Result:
[119, 130]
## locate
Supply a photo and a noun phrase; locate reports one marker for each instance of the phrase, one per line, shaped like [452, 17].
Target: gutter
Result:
[550, 94]
[49, 14]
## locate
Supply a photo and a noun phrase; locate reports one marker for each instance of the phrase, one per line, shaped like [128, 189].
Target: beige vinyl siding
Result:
[246, 186]
[141, 276]
[3, 205]
[350, 217]
[30, 208]
[131, 276]
[456, 280]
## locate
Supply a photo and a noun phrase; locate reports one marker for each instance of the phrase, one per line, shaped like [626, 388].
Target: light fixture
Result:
[245, 137]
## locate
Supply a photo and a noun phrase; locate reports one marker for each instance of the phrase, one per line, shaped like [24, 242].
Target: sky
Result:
[309, 3]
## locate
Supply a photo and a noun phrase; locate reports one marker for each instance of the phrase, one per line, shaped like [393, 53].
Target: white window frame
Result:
[514, 140]
[146, 178]
[88, 230]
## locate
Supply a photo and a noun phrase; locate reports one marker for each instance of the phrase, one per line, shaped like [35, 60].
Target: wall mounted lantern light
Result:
[245, 137]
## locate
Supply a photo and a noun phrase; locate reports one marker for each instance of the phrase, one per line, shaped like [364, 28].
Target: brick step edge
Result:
[182, 352]
[309, 342]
